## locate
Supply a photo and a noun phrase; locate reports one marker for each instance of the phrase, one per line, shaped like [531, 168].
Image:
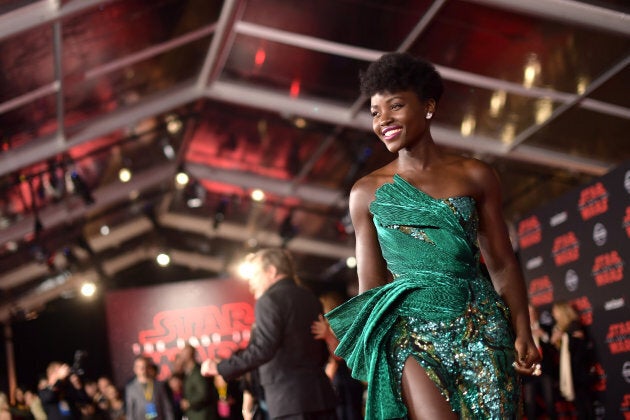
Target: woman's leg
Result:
[422, 398]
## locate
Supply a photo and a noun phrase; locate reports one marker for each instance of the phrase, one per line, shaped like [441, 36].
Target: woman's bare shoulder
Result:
[369, 183]
[364, 189]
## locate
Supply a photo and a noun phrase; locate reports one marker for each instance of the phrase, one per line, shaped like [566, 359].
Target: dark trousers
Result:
[541, 386]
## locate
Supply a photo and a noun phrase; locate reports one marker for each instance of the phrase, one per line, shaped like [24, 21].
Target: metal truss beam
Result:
[569, 11]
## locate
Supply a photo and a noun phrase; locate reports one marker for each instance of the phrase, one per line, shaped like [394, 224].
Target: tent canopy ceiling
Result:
[261, 94]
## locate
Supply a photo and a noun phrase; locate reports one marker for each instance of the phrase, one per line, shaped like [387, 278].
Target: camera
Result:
[78, 367]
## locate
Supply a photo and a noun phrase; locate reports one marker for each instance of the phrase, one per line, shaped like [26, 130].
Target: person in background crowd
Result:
[90, 411]
[289, 359]
[63, 393]
[254, 406]
[200, 398]
[95, 395]
[570, 338]
[20, 410]
[102, 383]
[146, 398]
[542, 386]
[431, 334]
[5, 413]
[349, 391]
[35, 405]
[115, 403]
[176, 391]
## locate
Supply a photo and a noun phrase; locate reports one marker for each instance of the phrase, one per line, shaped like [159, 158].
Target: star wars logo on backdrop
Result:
[566, 249]
[607, 268]
[618, 340]
[626, 222]
[529, 232]
[541, 291]
[216, 331]
[599, 377]
[624, 408]
[584, 308]
[593, 201]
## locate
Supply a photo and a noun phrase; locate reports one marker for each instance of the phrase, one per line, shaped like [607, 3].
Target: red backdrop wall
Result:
[214, 315]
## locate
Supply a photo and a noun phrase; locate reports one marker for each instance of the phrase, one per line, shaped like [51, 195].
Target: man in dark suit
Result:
[289, 359]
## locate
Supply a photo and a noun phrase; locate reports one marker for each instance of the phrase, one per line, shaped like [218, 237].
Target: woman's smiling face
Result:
[398, 119]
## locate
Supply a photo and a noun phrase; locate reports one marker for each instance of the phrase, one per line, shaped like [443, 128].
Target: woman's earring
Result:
[429, 115]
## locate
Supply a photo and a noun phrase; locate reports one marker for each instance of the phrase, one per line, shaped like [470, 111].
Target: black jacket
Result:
[290, 361]
[61, 401]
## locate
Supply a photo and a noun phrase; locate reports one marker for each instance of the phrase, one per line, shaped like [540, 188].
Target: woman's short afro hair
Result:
[395, 72]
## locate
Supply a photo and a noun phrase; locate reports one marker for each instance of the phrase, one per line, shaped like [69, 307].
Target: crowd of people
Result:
[440, 328]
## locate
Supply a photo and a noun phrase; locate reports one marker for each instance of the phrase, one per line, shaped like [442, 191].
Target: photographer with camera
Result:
[63, 393]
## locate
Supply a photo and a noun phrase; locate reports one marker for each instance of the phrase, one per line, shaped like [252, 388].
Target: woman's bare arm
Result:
[371, 267]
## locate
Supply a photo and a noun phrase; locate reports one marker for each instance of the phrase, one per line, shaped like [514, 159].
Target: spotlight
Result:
[124, 175]
[163, 259]
[258, 195]
[88, 289]
[351, 262]
[181, 178]
[173, 124]
[299, 122]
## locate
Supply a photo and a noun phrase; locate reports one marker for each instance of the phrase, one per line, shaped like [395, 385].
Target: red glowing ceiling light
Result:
[260, 57]
[295, 88]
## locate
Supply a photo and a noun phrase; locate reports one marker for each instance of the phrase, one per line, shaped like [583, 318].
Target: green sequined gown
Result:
[440, 309]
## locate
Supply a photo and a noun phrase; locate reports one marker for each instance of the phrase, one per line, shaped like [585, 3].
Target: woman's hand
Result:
[528, 357]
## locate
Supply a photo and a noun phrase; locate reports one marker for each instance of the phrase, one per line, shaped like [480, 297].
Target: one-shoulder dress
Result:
[441, 309]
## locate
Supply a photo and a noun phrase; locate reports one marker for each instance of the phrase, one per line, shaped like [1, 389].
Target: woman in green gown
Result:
[429, 332]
